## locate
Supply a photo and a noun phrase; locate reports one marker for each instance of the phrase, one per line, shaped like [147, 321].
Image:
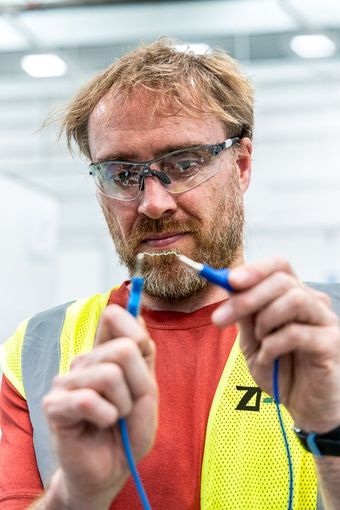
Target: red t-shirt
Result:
[191, 354]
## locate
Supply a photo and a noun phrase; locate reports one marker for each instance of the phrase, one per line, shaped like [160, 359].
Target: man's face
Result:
[204, 223]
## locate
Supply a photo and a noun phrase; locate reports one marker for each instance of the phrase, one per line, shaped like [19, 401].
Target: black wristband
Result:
[320, 444]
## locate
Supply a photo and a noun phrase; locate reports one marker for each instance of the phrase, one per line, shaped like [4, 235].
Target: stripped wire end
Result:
[139, 264]
[140, 258]
[198, 266]
[218, 277]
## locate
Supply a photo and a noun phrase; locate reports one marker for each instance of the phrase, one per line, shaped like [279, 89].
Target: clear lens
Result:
[118, 180]
[185, 169]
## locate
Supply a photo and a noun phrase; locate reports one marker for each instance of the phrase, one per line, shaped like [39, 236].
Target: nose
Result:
[155, 201]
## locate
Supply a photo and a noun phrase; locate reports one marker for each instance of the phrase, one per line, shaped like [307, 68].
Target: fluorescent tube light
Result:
[313, 46]
[43, 66]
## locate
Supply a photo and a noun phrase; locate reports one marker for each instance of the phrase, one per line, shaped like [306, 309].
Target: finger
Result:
[250, 301]
[247, 275]
[320, 341]
[319, 295]
[65, 409]
[77, 361]
[248, 344]
[117, 322]
[296, 305]
[125, 353]
[107, 379]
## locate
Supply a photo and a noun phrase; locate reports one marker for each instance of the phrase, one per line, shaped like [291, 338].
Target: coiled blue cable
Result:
[133, 307]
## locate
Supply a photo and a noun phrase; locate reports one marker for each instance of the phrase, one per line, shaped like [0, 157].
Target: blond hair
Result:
[196, 84]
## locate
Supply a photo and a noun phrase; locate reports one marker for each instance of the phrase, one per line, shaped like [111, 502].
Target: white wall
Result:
[293, 204]
[87, 266]
[41, 266]
[29, 221]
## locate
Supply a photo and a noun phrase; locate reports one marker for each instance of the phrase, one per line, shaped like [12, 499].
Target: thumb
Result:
[116, 322]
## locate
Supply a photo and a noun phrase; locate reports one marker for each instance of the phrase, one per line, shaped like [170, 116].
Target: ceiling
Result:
[90, 35]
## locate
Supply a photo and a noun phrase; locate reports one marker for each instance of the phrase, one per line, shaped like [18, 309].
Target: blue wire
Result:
[284, 435]
[133, 307]
[132, 465]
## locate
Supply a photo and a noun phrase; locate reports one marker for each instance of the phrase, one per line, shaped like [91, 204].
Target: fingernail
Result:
[76, 361]
[239, 275]
[221, 316]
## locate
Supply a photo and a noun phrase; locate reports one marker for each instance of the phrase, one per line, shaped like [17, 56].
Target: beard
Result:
[218, 242]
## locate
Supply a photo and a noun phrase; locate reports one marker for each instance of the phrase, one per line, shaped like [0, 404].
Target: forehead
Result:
[142, 124]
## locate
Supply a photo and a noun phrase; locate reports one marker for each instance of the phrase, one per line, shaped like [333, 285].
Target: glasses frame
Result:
[147, 171]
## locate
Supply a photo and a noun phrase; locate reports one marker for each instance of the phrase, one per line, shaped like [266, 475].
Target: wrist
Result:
[61, 496]
[321, 424]
[325, 444]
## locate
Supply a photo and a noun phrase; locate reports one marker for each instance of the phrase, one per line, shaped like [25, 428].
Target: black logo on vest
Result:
[251, 399]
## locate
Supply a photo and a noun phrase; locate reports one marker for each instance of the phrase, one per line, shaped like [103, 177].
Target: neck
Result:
[207, 297]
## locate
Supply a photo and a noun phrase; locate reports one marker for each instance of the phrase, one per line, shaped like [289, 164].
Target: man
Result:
[169, 137]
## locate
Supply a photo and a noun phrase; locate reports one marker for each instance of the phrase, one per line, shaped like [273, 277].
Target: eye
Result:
[188, 164]
[121, 176]
[127, 178]
[122, 179]
[216, 150]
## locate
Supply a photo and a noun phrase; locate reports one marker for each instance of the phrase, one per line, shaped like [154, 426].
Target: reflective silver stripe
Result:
[39, 364]
[319, 504]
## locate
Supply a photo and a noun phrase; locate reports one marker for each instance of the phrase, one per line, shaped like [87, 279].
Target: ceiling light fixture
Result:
[313, 46]
[43, 66]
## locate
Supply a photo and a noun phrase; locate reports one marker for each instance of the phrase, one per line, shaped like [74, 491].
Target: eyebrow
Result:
[133, 157]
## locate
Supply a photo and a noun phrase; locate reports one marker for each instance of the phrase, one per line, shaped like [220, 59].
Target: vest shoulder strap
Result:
[73, 326]
[40, 363]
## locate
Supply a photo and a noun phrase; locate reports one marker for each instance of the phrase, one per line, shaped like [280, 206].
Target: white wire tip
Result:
[141, 256]
[198, 266]
[139, 262]
[189, 262]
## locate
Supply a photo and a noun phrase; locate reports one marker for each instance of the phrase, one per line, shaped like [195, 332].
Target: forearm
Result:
[328, 469]
[59, 497]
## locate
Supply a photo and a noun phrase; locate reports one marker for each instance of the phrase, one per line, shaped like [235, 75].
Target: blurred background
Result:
[54, 244]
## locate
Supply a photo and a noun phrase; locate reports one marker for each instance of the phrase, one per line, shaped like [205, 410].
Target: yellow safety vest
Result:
[244, 464]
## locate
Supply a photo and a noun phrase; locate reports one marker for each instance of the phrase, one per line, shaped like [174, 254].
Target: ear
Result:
[243, 161]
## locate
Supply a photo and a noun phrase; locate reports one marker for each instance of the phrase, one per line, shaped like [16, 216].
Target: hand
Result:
[278, 317]
[116, 379]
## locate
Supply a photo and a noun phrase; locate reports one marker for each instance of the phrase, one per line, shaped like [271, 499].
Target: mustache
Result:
[162, 226]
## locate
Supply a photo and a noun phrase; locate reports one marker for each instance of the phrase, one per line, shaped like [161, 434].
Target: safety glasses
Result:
[178, 171]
